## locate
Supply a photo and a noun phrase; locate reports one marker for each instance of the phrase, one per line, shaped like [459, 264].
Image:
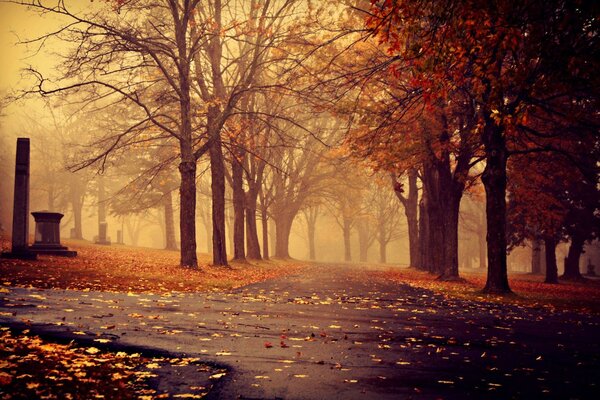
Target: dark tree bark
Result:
[451, 235]
[264, 219]
[217, 169]
[434, 240]
[424, 250]
[410, 201]
[494, 182]
[551, 266]
[255, 171]
[283, 227]
[572, 271]
[237, 183]
[187, 213]
[251, 228]
[536, 256]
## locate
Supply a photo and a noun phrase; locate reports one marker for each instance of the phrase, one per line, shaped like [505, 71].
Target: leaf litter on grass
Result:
[134, 270]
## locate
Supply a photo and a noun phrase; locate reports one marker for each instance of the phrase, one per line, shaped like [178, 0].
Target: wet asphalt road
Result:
[334, 332]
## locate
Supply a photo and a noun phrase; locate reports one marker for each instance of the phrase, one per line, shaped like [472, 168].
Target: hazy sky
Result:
[17, 24]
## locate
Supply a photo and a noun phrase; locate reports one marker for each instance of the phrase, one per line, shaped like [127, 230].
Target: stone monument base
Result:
[24, 254]
[53, 250]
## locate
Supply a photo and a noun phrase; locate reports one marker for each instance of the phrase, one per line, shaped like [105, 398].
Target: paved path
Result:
[337, 333]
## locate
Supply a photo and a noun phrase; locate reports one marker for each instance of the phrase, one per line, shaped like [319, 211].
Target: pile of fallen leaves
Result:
[529, 290]
[133, 269]
[31, 368]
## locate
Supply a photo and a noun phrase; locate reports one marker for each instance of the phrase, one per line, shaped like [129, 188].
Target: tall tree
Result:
[505, 57]
[410, 201]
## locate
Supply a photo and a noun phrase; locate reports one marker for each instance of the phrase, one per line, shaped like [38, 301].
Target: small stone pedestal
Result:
[47, 235]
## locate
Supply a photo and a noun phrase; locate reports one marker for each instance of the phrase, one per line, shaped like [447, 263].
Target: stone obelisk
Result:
[20, 226]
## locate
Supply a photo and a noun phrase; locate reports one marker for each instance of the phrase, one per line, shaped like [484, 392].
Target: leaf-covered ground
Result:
[32, 368]
[528, 290]
[133, 269]
[331, 331]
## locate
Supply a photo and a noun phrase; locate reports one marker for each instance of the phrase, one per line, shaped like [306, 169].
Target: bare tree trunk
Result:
[572, 261]
[187, 214]
[411, 208]
[134, 229]
[551, 266]
[346, 231]
[434, 241]
[265, 232]
[494, 181]
[101, 201]
[238, 208]
[229, 218]
[425, 253]
[382, 252]
[170, 241]
[363, 239]
[450, 226]
[217, 169]
[283, 227]
[251, 228]
[77, 199]
[536, 256]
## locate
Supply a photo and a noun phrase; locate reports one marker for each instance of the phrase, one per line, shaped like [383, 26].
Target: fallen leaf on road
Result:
[92, 350]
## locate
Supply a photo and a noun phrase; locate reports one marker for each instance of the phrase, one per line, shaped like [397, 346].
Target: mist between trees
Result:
[439, 135]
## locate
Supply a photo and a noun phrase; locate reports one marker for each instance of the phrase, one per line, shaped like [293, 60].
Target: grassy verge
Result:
[529, 290]
[133, 269]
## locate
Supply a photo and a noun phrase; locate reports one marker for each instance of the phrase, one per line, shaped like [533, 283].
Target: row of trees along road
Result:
[434, 96]
[455, 90]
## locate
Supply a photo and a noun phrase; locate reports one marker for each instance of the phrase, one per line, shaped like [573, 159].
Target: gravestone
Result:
[20, 229]
[102, 237]
[47, 235]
